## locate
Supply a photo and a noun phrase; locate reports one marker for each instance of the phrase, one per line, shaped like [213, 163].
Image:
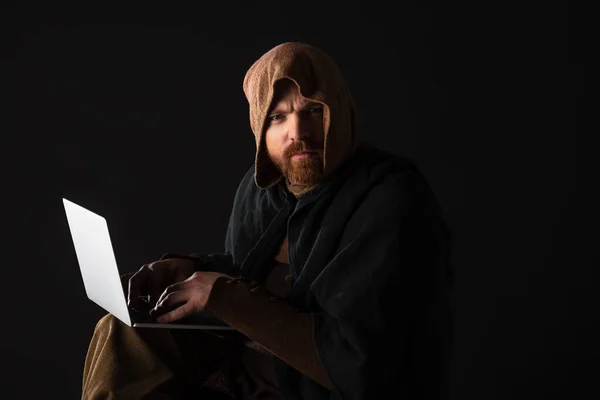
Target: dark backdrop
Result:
[147, 125]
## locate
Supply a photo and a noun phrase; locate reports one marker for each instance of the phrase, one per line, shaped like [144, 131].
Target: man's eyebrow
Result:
[307, 105]
[276, 109]
[311, 104]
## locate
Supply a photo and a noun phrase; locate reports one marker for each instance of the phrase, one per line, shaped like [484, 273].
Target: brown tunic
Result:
[273, 327]
[258, 381]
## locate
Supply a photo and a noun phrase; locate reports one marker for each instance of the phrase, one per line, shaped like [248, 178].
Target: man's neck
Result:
[299, 189]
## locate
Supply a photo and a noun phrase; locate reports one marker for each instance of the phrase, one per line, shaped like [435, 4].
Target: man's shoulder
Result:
[382, 170]
[247, 182]
[245, 185]
[378, 160]
[385, 186]
[255, 197]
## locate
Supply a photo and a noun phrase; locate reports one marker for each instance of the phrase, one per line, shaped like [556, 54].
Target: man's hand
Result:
[147, 284]
[185, 298]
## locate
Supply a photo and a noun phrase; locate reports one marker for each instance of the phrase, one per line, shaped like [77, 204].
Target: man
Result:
[335, 269]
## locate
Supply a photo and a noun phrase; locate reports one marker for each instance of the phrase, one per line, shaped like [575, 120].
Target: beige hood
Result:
[318, 79]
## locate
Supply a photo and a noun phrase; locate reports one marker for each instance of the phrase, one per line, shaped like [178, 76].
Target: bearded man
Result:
[335, 275]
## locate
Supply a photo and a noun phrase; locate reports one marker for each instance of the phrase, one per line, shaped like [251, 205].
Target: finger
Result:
[156, 280]
[125, 282]
[176, 287]
[170, 301]
[181, 275]
[181, 312]
[126, 276]
[137, 285]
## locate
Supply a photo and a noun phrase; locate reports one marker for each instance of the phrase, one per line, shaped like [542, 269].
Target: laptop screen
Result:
[96, 258]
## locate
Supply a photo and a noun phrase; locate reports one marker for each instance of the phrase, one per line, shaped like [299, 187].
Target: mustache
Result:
[301, 147]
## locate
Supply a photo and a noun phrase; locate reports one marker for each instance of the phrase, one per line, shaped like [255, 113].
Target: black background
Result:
[147, 125]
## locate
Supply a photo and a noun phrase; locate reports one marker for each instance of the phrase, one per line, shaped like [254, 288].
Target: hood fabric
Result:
[318, 79]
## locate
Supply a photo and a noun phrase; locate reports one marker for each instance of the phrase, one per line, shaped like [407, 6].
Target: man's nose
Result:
[298, 128]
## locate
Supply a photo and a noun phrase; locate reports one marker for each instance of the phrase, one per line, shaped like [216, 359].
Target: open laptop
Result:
[102, 279]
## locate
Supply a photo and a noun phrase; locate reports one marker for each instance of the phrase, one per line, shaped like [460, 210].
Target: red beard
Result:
[306, 170]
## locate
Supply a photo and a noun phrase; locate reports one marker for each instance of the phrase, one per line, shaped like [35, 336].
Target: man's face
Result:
[294, 135]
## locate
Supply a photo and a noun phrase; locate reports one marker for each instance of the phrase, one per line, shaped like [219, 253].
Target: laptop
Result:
[102, 279]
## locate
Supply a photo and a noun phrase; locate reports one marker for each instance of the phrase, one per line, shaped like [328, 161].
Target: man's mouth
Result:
[302, 154]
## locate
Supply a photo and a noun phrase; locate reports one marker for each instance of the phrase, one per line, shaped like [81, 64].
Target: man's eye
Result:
[317, 110]
[274, 117]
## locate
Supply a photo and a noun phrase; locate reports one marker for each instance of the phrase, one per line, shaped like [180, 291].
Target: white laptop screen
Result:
[97, 260]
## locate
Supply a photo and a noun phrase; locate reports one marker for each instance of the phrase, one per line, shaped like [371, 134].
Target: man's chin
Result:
[304, 182]
[307, 177]
[304, 171]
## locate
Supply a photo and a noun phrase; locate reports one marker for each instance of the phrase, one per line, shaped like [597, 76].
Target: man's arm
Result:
[216, 262]
[273, 324]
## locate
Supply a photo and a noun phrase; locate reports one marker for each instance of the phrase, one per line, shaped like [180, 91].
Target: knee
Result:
[107, 324]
